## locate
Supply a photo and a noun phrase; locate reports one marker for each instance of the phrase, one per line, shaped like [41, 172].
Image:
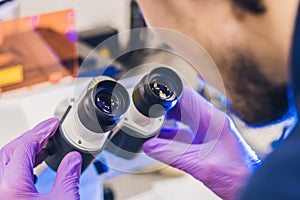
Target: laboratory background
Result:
[73, 41]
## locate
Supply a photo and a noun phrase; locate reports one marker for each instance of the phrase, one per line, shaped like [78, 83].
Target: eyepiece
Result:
[157, 92]
[111, 98]
[103, 105]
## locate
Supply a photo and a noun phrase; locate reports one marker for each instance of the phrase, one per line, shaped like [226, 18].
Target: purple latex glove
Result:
[208, 146]
[20, 156]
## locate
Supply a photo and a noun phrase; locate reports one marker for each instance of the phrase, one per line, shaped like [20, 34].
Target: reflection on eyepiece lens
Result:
[161, 90]
[107, 102]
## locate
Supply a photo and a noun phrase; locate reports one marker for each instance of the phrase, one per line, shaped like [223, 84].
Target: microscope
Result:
[118, 116]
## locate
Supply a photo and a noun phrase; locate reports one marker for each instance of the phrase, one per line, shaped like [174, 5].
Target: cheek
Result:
[213, 27]
[156, 13]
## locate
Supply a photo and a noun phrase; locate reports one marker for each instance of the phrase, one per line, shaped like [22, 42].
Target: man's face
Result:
[250, 47]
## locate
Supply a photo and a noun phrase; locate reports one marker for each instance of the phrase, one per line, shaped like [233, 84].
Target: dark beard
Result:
[255, 99]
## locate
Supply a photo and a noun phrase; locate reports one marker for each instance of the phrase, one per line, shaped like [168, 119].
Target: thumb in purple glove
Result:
[20, 156]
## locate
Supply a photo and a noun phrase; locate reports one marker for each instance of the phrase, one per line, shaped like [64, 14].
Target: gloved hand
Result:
[207, 146]
[20, 156]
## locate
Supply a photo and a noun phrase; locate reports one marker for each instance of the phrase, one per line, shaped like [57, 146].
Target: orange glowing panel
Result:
[44, 45]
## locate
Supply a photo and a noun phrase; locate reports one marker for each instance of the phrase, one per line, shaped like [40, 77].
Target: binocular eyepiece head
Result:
[89, 123]
[157, 92]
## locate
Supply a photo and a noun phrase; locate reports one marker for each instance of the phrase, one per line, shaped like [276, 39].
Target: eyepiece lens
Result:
[157, 92]
[107, 102]
[162, 90]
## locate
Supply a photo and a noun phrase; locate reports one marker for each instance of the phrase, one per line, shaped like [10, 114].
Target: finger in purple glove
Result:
[67, 178]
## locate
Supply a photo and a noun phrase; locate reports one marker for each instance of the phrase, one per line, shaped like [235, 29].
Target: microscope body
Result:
[69, 137]
[132, 131]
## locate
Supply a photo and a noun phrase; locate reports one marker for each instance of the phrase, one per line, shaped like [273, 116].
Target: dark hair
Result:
[253, 6]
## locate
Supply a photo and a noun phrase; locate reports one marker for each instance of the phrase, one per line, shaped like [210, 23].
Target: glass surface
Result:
[107, 102]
